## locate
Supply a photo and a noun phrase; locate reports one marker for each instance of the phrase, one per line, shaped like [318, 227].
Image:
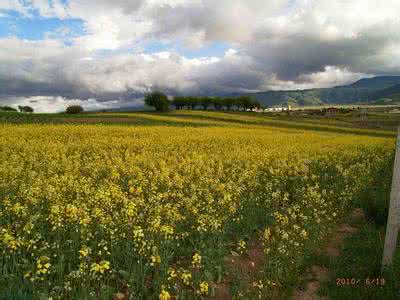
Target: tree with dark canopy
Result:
[228, 103]
[25, 109]
[74, 109]
[179, 102]
[205, 102]
[193, 102]
[244, 102]
[217, 103]
[158, 100]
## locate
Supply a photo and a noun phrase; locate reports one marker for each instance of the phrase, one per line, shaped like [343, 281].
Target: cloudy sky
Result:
[103, 53]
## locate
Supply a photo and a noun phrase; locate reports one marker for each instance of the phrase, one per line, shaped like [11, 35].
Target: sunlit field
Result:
[172, 206]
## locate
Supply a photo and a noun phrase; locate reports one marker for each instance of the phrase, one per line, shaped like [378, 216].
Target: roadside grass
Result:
[356, 272]
[360, 260]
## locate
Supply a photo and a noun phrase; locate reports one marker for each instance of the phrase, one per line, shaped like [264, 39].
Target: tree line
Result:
[161, 102]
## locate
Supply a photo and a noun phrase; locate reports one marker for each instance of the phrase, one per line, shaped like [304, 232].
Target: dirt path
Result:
[316, 275]
[246, 266]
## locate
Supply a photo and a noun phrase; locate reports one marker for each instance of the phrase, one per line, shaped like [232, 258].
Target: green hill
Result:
[378, 82]
[364, 90]
[390, 95]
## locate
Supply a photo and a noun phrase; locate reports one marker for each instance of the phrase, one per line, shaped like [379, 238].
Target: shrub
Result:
[7, 108]
[26, 109]
[74, 109]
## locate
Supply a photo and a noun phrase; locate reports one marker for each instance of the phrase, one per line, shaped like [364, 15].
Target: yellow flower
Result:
[241, 246]
[186, 277]
[42, 265]
[164, 295]
[196, 260]
[258, 284]
[101, 267]
[84, 252]
[267, 234]
[171, 274]
[204, 288]
[155, 260]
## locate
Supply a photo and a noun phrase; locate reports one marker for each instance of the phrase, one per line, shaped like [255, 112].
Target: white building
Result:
[277, 109]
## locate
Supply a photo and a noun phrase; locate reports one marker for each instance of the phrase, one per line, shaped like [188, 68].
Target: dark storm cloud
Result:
[302, 53]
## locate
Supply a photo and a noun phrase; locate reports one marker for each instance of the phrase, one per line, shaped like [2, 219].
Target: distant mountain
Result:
[378, 82]
[366, 90]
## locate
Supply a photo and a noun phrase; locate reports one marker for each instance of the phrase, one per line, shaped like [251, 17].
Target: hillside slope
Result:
[390, 95]
[363, 90]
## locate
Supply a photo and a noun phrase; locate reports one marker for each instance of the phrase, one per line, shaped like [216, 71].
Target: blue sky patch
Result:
[37, 28]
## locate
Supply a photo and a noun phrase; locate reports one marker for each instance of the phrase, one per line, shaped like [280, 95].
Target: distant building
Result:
[278, 109]
[332, 110]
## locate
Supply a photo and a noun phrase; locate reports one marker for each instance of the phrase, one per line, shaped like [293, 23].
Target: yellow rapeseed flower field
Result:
[153, 211]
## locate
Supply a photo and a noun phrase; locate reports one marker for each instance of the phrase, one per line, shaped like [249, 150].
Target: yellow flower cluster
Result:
[164, 295]
[100, 267]
[43, 265]
[152, 206]
[9, 240]
[155, 260]
[203, 288]
[196, 260]
[42, 269]
[241, 247]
